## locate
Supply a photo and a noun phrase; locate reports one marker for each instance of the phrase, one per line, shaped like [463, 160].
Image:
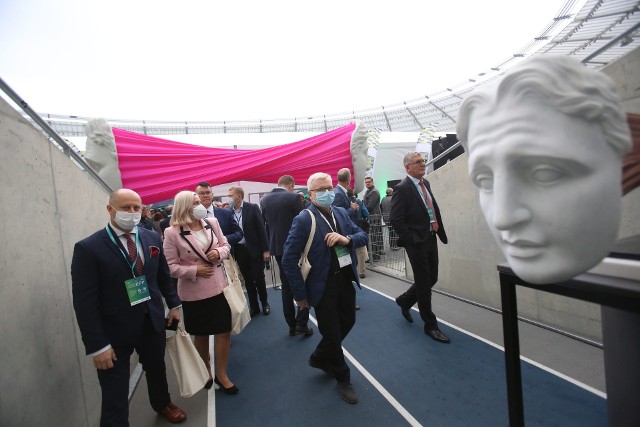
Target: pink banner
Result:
[158, 168]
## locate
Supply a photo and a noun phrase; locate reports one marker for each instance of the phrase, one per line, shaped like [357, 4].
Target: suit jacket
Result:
[279, 207]
[103, 311]
[319, 254]
[183, 261]
[255, 235]
[371, 200]
[342, 200]
[228, 225]
[409, 216]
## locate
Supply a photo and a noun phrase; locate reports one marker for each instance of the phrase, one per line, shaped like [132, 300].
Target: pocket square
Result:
[154, 250]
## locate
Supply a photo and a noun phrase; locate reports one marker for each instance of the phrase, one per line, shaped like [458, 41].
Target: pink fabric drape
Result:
[158, 168]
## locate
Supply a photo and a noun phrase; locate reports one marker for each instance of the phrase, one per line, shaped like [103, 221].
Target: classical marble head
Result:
[545, 148]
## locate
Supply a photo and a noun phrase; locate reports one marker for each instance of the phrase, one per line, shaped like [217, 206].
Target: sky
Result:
[208, 60]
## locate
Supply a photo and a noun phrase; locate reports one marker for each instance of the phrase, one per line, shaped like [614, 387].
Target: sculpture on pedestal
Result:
[545, 146]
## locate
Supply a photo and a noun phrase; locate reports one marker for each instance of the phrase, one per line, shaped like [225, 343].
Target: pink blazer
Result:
[183, 261]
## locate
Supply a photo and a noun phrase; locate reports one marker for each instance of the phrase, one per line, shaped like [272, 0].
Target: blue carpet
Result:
[460, 384]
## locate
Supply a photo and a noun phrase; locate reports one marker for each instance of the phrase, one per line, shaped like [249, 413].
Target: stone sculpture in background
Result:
[545, 146]
[101, 153]
[359, 150]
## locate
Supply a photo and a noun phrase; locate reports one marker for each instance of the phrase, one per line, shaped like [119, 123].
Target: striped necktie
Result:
[133, 254]
[434, 224]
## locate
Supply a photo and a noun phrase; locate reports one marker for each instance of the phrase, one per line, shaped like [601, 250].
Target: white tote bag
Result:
[235, 297]
[189, 367]
[304, 264]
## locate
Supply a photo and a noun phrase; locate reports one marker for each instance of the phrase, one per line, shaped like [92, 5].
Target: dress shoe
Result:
[307, 331]
[357, 307]
[437, 335]
[266, 309]
[174, 414]
[362, 275]
[209, 384]
[254, 311]
[347, 392]
[227, 390]
[405, 313]
[315, 364]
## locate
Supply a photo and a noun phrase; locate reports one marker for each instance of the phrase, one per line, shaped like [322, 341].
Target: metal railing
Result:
[52, 135]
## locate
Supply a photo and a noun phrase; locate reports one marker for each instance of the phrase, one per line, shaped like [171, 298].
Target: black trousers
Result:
[114, 382]
[288, 307]
[424, 262]
[252, 269]
[336, 316]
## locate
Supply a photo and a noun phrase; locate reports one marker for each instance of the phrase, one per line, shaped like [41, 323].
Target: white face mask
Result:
[127, 220]
[199, 212]
[232, 202]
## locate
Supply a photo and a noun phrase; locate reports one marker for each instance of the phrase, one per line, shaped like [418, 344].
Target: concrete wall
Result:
[47, 205]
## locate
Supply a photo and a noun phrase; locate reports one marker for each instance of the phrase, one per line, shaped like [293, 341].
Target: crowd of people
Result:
[122, 273]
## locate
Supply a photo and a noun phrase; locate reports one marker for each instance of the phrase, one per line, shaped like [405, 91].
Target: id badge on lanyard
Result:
[137, 288]
[342, 252]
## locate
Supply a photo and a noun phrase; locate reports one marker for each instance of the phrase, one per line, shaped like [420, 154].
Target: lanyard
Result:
[133, 266]
[334, 221]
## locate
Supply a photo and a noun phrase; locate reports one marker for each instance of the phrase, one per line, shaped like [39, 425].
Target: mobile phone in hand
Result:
[173, 326]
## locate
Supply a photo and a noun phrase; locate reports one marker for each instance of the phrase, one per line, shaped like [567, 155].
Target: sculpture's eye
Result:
[484, 181]
[547, 174]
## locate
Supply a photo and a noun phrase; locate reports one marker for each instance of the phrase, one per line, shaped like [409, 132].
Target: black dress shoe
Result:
[437, 335]
[227, 390]
[347, 392]
[405, 313]
[266, 309]
[357, 307]
[307, 331]
[254, 311]
[315, 364]
[208, 384]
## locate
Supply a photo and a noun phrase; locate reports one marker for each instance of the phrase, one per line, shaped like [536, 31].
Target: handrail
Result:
[66, 149]
[444, 153]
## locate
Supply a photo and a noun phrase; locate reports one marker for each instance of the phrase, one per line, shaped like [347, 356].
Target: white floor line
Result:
[501, 348]
[211, 394]
[383, 391]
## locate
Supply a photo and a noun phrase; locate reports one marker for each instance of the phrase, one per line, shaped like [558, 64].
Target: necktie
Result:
[434, 224]
[133, 254]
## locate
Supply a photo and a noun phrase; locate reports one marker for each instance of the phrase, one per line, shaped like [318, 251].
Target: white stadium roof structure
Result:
[599, 33]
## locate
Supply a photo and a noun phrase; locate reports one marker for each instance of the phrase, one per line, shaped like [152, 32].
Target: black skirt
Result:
[208, 316]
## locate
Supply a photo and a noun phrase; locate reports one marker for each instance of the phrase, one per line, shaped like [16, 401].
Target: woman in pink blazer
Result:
[194, 248]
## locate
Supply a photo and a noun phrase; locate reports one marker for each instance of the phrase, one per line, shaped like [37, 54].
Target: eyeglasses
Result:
[323, 189]
[418, 162]
[204, 193]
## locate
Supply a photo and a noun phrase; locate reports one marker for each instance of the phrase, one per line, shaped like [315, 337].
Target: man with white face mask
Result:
[119, 277]
[329, 286]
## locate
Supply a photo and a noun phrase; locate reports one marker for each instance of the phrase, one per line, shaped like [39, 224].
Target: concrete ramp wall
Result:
[48, 204]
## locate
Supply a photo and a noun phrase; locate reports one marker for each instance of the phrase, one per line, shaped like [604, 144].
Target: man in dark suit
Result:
[371, 200]
[329, 286]
[252, 251]
[279, 207]
[342, 199]
[119, 277]
[228, 223]
[415, 216]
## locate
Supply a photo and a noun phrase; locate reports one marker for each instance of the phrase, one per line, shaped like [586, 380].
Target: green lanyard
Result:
[126, 257]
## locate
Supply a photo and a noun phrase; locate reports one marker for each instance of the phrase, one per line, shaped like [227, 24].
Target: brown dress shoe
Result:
[174, 414]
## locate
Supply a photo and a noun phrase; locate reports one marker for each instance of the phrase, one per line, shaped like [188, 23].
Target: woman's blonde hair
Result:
[182, 203]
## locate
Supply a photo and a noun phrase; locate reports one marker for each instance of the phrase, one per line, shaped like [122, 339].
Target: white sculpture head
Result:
[359, 157]
[545, 148]
[100, 152]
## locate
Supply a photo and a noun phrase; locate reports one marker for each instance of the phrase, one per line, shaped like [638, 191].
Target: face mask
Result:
[325, 198]
[199, 212]
[127, 220]
[232, 202]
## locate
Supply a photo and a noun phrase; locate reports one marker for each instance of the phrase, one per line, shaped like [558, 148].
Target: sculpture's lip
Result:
[523, 248]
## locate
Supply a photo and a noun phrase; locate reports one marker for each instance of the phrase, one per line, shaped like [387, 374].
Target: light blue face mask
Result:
[325, 198]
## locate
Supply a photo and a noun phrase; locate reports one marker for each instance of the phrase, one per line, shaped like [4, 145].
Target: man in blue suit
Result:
[329, 286]
[119, 277]
[228, 223]
[342, 199]
[252, 251]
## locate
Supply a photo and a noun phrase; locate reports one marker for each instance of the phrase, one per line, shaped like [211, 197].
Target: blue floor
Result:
[460, 384]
